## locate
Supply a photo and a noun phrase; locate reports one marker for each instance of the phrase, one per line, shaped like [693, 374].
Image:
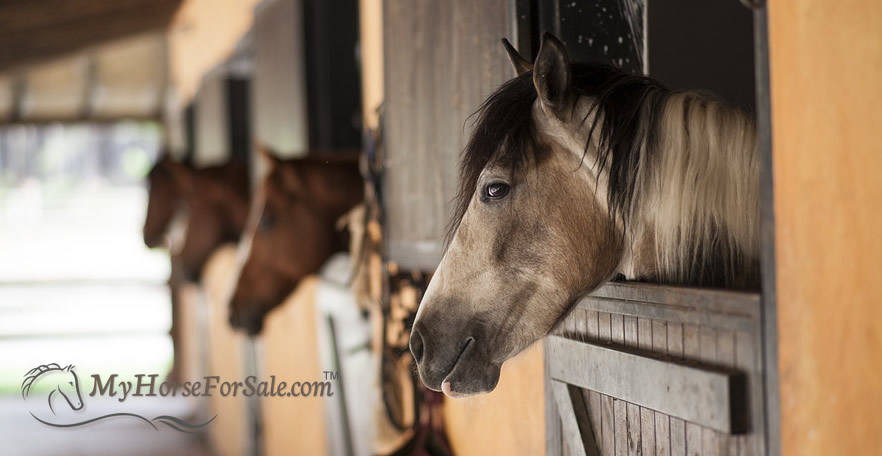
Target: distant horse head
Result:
[217, 200]
[162, 203]
[291, 231]
[573, 173]
[61, 380]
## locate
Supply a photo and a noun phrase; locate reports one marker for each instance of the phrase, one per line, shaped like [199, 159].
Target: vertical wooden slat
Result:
[710, 445]
[591, 324]
[607, 442]
[633, 411]
[691, 349]
[594, 406]
[617, 328]
[678, 437]
[726, 357]
[647, 416]
[582, 324]
[744, 360]
[635, 446]
[620, 408]
[620, 414]
[578, 440]
[677, 426]
[630, 327]
[662, 422]
[603, 319]
[647, 431]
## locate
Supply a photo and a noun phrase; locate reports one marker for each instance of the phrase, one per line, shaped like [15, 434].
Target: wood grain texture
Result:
[442, 60]
[699, 330]
[828, 191]
[32, 32]
[508, 420]
[227, 350]
[290, 350]
[370, 24]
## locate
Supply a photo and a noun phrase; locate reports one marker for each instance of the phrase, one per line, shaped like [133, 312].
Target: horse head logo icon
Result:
[62, 381]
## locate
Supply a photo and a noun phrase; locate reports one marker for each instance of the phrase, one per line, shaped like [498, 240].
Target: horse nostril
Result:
[416, 345]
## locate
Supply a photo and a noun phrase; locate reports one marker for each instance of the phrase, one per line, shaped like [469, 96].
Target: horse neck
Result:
[337, 188]
[231, 200]
[695, 214]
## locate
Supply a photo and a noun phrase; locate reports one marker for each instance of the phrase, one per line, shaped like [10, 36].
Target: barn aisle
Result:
[23, 436]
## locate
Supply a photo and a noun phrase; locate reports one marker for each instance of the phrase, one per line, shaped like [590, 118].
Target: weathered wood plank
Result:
[620, 408]
[647, 431]
[698, 315]
[662, 421]
[608, 420]
[691, 348]
[632, 411]
[699, 395]
[712, 300]
[577, 431]
[429, 96]
[647, 421]
[592, 327]
[678, 437]
[710, 445]
[630, 336]
[635, 447]
[617, 328]
[677, 426]
[749, 444]
[726, 357]
[603, 324]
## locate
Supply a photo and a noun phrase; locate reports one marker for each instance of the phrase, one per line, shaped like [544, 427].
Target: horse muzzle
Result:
[454, 364]
[248, 320]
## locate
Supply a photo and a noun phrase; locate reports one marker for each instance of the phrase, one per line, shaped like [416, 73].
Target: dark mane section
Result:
[504, 131]
[628, 105]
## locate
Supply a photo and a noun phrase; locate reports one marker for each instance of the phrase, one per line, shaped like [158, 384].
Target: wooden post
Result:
[826, 59]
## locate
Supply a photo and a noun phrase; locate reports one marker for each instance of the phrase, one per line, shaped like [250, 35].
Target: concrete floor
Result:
[22, 435]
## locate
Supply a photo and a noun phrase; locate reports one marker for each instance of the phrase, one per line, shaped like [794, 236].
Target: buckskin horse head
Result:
[575, 173]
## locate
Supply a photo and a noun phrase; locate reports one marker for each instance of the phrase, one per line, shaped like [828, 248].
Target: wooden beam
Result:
[699, 394]
[32, 32]
[826, 118]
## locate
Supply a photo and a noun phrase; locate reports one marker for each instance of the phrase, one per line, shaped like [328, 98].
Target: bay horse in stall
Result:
[216, 201]
[575, 173]
[163, 202]
[292, 230]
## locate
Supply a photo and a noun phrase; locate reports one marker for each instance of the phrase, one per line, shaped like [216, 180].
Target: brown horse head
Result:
[163, 201]
[217, 200]
[291, 231]
[574, 173]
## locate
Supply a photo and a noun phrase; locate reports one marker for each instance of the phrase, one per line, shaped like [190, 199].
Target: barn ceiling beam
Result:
[35, 31]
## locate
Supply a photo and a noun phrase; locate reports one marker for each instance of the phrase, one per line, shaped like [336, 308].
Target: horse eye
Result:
[266, 222]
[71, 383]
[496, 190]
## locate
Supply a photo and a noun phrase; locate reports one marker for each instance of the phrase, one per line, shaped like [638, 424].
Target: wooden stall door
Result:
[646, 369]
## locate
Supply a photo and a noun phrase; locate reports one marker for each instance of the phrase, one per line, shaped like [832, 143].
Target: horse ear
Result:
[268, 157]
[291, 181]
[519, 63]
[551, 75]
